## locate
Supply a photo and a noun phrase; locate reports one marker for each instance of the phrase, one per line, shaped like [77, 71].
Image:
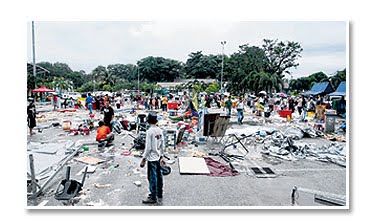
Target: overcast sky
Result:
[85, 45]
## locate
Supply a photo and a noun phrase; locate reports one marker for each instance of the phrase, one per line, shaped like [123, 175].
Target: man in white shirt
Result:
[240, 107]
[153, 153]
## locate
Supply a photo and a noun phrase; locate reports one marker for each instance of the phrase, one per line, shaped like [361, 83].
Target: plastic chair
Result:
[68, 189]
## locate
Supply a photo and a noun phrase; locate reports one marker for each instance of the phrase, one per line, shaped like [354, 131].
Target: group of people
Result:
[269, 104]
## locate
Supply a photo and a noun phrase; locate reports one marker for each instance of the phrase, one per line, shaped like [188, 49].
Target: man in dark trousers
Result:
[31, 113]
[153, 153]
[109, 114]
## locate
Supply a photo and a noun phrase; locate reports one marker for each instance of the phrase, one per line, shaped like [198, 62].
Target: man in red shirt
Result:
[104, 133]
[54, 101]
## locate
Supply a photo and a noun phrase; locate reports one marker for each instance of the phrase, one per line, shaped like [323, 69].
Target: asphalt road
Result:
[112, 184]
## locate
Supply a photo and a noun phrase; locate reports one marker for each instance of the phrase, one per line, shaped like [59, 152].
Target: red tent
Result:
[43, 89]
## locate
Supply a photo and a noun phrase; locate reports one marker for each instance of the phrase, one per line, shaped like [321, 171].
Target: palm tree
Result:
[109, 78]
[266, 81]
[62, 84]
[101, 73]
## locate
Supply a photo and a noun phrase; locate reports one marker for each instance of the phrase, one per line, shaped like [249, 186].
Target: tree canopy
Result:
[250, 69]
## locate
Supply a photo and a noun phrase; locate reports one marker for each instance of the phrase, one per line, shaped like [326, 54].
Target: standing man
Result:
[240, 107]
[271, 104]
[54, 101]
[153, 154]
[109, 114]
[106, 98]
[248, 101]
[97, 103]
[89, 100]
[165, 104]
[31, 113]
[299, 106]
[228, 106]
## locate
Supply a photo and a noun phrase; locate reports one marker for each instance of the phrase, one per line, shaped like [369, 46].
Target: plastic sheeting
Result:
[48, 155]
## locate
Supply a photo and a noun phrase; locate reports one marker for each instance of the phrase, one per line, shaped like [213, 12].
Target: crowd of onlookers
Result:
[261, 105]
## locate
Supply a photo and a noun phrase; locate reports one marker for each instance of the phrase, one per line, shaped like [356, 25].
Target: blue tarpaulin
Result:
[340, 91]
[320, 88]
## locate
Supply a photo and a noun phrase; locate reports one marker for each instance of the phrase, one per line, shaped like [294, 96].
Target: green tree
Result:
[121, 71]
[88, 87]
[266, 81]
[199, 66]
[62, 84]
[108, 78]
[281, 56]
[339, 77]
[107, 87]
[241, 68]
[159, 69]
[213, 88]
[197, 88]
[77, 78]
[305, 83]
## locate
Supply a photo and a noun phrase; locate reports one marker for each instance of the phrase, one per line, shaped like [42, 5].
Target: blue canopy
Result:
[321, 88]
[340, 91]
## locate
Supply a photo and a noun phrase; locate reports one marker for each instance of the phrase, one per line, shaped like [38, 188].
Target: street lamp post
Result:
[138, 77]
[222, 66]
[33, 42]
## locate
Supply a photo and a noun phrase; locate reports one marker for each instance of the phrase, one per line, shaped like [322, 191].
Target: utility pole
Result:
[138, 77]
[222, 66]
[33, 44]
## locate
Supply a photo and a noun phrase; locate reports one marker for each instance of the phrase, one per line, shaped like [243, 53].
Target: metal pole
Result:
[33, 44]
[222, 66]
[138, 77]
[93, 82]
[32, 172]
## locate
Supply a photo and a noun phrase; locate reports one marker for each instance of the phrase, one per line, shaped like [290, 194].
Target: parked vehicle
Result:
[73, 95]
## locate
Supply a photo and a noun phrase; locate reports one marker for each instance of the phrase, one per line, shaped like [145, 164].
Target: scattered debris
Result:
[90, 169]
[137, 183]
[96, 204]
[96, 185]
[89, 160]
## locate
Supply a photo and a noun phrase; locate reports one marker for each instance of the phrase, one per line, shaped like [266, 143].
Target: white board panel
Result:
[193, 165]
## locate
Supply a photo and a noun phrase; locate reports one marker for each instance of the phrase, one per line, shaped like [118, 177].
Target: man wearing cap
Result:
[153, 154]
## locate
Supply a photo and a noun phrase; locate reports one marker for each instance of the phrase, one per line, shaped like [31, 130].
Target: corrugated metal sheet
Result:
[340, 91]
[320, 88]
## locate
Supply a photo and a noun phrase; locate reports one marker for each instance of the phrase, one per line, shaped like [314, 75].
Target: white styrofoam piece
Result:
[193, 165]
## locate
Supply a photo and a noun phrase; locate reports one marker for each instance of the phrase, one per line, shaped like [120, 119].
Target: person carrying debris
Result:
[153, 154]
[104, 133]
[109, 114]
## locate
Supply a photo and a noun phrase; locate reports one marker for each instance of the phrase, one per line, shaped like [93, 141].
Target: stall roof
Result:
[320, 88]
[340, 91]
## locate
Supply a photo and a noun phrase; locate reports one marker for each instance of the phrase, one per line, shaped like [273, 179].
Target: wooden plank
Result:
[193, 165]
[89, 160]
